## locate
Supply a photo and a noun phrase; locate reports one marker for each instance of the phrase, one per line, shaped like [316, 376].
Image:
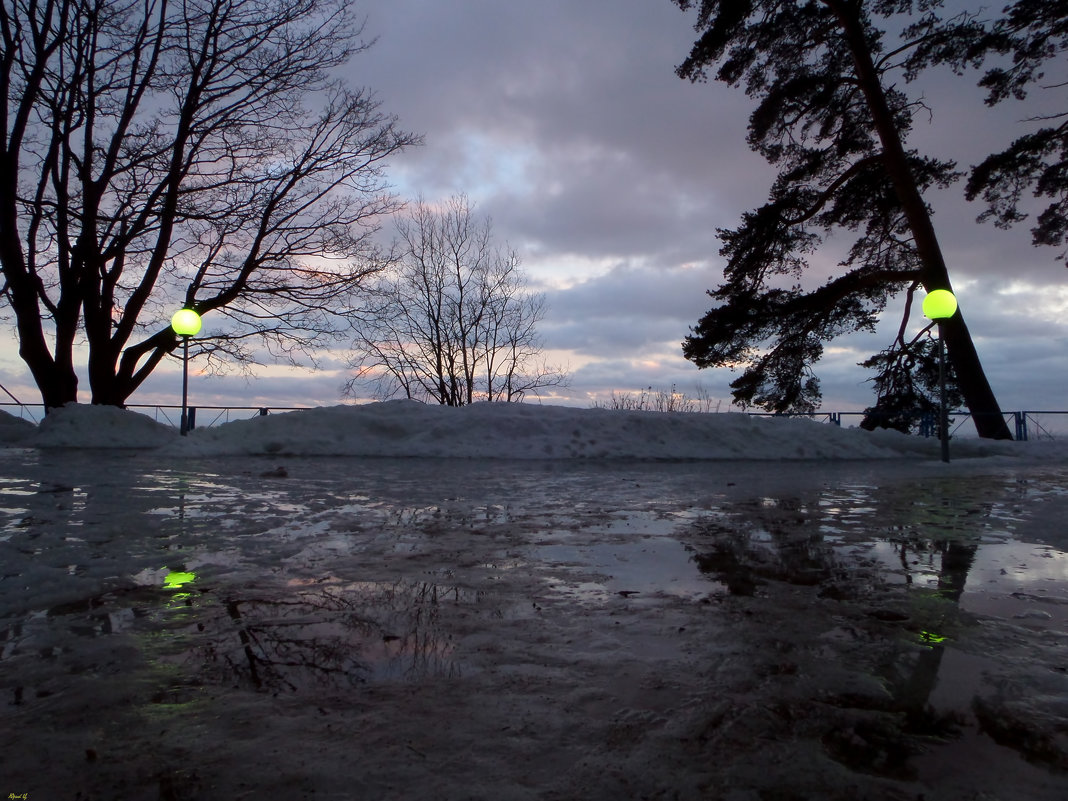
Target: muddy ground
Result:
[391, 629]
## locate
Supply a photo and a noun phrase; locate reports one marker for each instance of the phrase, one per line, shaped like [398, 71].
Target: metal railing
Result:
[1025, 425]
[170, 414]
[1032, 423]
[222, 413]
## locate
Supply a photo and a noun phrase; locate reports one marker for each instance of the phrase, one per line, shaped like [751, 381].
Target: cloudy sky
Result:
[564, 122]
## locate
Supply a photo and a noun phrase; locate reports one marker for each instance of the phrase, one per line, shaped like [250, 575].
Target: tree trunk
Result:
[57, 383]
[56, 379]
[971, 379]
[106, 387]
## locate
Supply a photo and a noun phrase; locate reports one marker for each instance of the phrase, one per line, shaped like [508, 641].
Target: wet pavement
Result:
[376, 628]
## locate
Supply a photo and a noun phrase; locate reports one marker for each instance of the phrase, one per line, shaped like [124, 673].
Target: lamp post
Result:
[186, 323]
[940, 305]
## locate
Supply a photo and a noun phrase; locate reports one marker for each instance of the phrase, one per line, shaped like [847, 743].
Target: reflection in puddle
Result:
[956, 539]
[632, 555]
[650, 567]
[310, 634]
[929, 565]
[331, 635]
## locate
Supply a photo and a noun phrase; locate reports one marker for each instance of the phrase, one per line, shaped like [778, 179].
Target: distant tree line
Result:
[661, 400]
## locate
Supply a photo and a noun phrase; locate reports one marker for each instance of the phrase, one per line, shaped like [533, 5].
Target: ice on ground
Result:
[507, 431]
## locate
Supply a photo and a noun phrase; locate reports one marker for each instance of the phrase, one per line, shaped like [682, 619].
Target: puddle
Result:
[962, 541]
[633, 555]
[594, 615]
[651, 567]
[955, 601]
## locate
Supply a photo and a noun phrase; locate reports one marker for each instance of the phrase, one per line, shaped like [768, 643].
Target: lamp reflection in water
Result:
[176, 579]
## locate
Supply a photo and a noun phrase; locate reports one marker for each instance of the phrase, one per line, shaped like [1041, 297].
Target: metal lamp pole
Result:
[186, 323]
[943, 415]
[940, 305]
[185, 386]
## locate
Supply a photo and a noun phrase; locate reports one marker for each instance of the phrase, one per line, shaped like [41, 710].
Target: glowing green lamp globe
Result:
[939, 305]
[186, 322]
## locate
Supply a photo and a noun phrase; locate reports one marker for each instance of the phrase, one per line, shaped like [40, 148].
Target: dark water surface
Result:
[894, 622]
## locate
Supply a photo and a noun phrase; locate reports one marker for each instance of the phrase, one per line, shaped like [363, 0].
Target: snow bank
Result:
[505, 431]
[527, 431]
[14, 430]
[81, 426]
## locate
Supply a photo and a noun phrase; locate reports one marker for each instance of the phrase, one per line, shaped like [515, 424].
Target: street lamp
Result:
[940, 305]
[186, 323]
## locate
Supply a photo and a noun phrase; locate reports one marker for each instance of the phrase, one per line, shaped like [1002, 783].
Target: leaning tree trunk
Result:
[971, 378]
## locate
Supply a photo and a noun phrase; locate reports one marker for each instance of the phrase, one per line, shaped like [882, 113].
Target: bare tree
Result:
[452, 321]
[155, 154]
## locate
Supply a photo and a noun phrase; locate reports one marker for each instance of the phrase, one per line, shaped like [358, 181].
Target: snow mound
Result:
[507, 431]
[79, 425]
[522, 431]
[14, 430]
[528, 431]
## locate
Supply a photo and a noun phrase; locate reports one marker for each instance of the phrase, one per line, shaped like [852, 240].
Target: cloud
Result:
[566, 122]
[632, 309]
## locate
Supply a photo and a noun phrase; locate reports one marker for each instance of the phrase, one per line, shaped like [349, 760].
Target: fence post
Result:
[1021, 426]
[927, 424]
[263, 411]
[192, 418]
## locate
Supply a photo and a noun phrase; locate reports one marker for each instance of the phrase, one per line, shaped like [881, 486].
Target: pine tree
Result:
[1035, 34]
[833, 119]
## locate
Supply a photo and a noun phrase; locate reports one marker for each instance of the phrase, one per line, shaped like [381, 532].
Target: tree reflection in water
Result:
[321, 634]
[896, 616]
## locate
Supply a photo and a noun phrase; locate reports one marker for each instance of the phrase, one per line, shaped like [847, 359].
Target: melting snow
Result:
[497, 430]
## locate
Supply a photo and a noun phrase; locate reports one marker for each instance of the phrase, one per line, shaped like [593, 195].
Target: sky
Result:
[565, 123]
